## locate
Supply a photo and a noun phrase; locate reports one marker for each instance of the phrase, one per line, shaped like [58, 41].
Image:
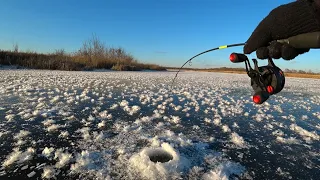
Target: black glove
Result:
[302, 16]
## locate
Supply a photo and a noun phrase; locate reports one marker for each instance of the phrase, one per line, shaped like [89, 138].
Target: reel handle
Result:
[237, 57]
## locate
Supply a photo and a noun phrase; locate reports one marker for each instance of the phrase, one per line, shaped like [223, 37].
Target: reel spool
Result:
[265, 80]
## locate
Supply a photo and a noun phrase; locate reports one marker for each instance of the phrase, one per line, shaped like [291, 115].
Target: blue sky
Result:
[166, 32]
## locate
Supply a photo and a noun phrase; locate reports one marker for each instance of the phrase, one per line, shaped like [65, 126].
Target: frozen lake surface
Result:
[130, 125]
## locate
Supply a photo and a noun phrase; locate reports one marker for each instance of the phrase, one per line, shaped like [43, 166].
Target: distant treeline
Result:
[299, 71]
[243, 69]
[92, 55]
[211, 69]
[229, 69]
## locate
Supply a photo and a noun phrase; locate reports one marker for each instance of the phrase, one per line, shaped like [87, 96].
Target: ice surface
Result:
[47, 151]
[307, 135]
[113, 125]
[13, 157]
[31, 174]
[21, 134]
[63, 158]
[48, 172]
[18, 156]
[53, 127]
[223, 171]
[290, 140]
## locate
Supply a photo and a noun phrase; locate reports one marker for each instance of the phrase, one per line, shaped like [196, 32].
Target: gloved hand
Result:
[298, 17]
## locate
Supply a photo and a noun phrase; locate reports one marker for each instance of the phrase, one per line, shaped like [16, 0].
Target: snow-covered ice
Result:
[132, 125]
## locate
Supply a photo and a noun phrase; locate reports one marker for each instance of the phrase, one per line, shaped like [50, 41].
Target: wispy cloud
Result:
[293, 62]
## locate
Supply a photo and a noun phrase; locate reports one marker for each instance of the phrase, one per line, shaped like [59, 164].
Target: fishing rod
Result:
[213, 49]
[270, 79]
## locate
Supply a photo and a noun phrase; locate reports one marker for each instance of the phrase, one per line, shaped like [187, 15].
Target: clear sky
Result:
[166, 32]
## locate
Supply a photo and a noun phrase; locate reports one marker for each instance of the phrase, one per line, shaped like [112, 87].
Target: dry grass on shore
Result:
[93, 54]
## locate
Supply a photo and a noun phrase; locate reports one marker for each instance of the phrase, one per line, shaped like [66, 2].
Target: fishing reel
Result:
[265, 80]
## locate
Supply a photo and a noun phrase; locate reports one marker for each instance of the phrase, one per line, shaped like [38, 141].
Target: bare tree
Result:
[15, 47]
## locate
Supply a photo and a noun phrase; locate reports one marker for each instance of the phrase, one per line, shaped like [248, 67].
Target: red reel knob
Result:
[237, 57]
[270, 89]
[260, 97]
[233, 57]
[256, 99]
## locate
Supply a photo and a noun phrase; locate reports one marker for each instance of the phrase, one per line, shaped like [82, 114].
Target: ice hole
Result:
[159, 155]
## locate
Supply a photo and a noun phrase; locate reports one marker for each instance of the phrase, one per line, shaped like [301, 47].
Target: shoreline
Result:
[288, 74]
